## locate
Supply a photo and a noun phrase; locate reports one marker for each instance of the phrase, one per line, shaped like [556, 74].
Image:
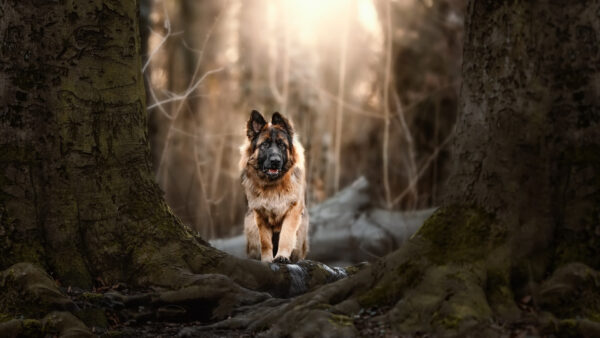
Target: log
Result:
[345, 229]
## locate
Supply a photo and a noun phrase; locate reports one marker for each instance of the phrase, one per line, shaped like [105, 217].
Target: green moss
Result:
[448, 298]
[376, 295]
[461, 234]
[354, 269]
[70, 267]
[27, 291]
[31, 328]
[351, 270]
[450, 322]
[463, 308]
[389, 289]
[4, 317]
[499, 293]
[340, 320]
[92, 296]
[322, 306]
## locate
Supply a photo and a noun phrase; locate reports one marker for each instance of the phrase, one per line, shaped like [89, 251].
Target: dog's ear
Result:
[279, 120]
[255, 124]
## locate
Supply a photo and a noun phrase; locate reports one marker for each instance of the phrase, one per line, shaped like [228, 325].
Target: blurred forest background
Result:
[371, 86]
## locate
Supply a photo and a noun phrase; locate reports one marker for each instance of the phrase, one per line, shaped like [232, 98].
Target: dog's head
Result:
[271, 144]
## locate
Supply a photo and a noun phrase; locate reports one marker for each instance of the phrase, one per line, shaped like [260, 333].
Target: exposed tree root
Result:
[165, 268]
[28, 293]
[30, 299]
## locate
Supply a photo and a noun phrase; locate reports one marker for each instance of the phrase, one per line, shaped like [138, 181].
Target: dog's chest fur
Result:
[273, 204]
[273, 209]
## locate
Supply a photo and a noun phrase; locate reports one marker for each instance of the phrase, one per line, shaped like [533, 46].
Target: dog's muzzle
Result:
[273, 166]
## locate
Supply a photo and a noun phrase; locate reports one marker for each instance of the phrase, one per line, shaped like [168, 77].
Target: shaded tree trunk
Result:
[77, 190]
[528, 145]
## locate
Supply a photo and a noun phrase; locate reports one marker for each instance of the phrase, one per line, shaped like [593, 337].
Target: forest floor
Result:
[364, 322]
[142, 321]
[107, 316]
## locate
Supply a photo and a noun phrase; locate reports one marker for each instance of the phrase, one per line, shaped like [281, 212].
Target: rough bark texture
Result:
[31, 293]
[528, 145]
[75, 178]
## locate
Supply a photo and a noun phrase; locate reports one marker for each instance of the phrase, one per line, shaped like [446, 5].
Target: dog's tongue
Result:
[273, 171]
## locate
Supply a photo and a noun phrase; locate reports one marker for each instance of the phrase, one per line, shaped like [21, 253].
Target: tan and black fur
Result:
[273, 177]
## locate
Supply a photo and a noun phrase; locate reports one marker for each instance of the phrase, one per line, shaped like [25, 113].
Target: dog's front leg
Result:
[265, 233]
[287, 238]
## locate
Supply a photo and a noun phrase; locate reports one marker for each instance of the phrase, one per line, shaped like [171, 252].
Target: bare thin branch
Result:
[386, 105]
[188, 91]
[426, 165]
[340, 107]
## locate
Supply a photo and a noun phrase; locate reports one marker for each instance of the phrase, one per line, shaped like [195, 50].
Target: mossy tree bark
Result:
[77, 194]
[528, 145]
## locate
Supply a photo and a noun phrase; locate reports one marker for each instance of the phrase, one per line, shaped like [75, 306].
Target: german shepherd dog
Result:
[273, 177]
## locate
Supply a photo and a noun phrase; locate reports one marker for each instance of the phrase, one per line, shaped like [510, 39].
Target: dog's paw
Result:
[282, 260]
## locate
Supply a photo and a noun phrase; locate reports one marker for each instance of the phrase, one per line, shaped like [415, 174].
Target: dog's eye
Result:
[281, 145]
[264, 145]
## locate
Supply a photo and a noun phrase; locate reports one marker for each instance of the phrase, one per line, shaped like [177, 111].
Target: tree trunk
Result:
[78, 195]
[528, 145]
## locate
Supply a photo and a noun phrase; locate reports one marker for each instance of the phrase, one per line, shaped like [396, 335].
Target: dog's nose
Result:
[275, 161]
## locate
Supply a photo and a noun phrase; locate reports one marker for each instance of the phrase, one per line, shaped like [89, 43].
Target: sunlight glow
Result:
[308, 19]
[367, 16]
